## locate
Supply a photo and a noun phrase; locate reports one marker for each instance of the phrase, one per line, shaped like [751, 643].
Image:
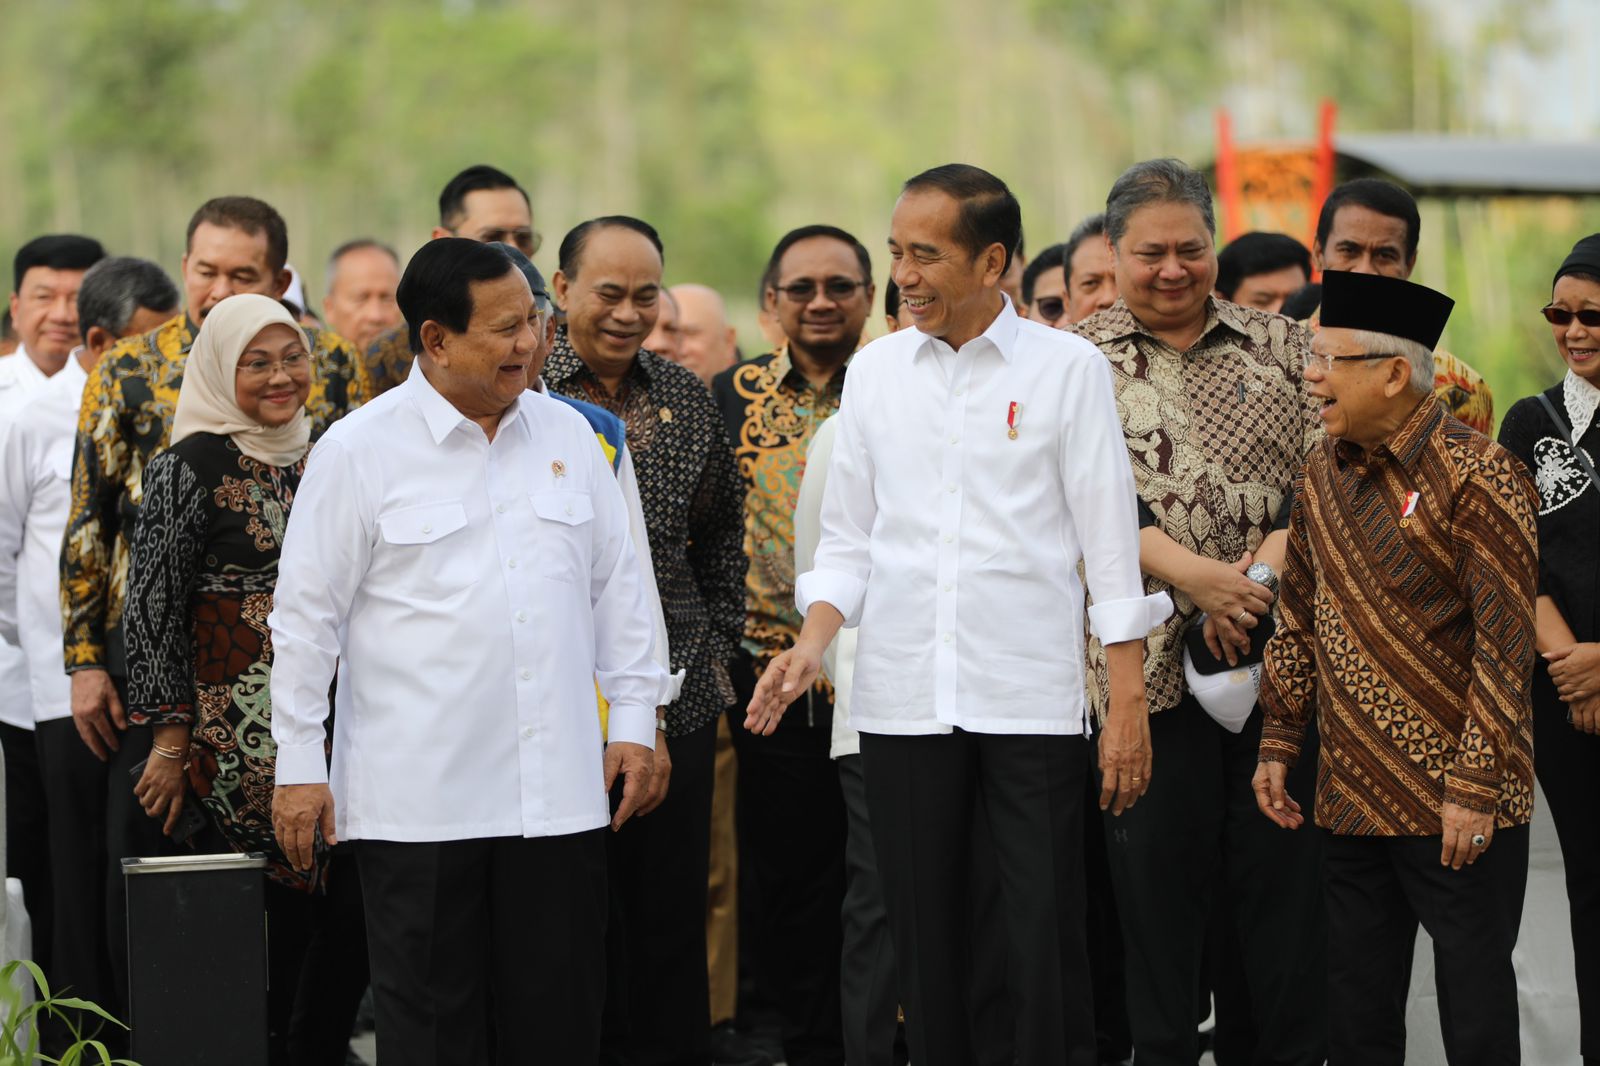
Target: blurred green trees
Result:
[726, 123]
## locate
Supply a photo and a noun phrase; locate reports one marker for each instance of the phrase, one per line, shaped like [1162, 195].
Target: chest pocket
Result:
[1261, 442]
[60, 461]
[427, 548]
[565, 545]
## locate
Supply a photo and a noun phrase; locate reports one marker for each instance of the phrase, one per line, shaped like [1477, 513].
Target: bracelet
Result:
[661, 725]
[168, 753]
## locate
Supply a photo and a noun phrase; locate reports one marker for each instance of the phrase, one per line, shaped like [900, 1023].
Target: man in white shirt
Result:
[47, 272]
[118, 297]
[459, 553]
[979, 456]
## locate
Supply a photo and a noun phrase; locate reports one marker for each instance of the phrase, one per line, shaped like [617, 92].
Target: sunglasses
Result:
[1051, 307]
[1560, 316]
[836, 289]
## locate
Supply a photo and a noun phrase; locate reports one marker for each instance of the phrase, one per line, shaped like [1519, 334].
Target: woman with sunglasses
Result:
[201, 578]
[1557, 435]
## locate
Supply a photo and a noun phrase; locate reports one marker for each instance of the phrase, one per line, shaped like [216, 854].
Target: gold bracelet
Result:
[168, 753]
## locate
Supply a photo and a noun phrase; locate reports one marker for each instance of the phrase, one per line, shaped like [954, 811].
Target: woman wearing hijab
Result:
[204, 565]
[1557, 435]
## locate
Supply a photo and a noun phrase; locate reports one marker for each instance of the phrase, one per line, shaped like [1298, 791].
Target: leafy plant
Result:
[19, 1024]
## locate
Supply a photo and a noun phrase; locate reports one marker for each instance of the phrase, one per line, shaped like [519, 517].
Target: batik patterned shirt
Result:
[1216, 435]
[692, 499]
[1406, 627]
[388, 359]
[126, 419]
[772, 410]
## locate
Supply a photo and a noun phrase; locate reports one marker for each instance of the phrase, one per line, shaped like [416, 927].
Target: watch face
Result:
[1262, 574]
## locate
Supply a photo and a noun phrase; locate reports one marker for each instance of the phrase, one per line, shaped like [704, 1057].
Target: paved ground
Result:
[1543, 960]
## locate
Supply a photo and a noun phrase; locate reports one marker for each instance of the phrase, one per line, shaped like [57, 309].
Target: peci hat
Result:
[1381, 304]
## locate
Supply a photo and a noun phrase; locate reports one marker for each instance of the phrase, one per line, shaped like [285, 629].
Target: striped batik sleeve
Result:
[1289, 676]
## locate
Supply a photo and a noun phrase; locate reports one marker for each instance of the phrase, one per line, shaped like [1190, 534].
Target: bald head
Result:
[706, 343]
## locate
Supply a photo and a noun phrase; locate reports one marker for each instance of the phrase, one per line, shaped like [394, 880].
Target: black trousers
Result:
[1568, 765]
[462, 930]
[95, 822]
[316, 966]
[923, 795]
[28, 838]
[1378, 890]
[658, 998]
[791, 832]
[1112, 1034]
[1197, 836]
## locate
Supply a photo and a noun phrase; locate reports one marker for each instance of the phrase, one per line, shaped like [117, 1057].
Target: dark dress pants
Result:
[923, 795]
[1112, 1033]
[658, 1005]
[95, 822]
[28, 837]
[317, 964]
[1568, 765]
[1197, 836]
[1378, 889]
[792, 842]
[460, 929]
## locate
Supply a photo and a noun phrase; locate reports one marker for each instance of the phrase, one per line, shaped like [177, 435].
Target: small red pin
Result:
[1012, 415]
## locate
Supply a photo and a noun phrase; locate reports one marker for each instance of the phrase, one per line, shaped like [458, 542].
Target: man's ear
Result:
[280, 283]
[561, 285]
[1397, 378]
[433, 342]
[439, 231]
[98, 339]
[994, 262]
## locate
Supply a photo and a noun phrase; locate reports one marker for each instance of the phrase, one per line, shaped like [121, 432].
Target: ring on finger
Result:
[1479, 840]
[1242, 616]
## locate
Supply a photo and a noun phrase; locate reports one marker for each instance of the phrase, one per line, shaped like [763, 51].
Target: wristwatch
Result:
[1262, 574]
[661, 724]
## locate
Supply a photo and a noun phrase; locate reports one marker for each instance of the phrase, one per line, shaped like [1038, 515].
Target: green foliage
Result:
[19, 1025]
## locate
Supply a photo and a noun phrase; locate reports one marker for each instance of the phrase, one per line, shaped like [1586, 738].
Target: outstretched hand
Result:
[785, 679]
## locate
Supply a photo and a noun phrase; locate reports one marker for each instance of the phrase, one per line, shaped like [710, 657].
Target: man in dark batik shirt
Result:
[609, 284]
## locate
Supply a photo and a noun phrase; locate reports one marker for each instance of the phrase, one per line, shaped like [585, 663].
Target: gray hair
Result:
[360, 244]
[115, 289]
[1156, 181]
[1387, 344]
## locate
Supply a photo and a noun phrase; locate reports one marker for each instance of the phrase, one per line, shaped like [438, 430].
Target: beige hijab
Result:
[206, 402]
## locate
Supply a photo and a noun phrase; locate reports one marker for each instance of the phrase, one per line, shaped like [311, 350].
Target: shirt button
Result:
[948, 539]
[948, 586]
[527, 734]
[499, 508]
[512, 563]
[527, 675]
[948, 638]
[427, 527]
[961, 392]
[522, 616]
[569, 508]
[949, 488]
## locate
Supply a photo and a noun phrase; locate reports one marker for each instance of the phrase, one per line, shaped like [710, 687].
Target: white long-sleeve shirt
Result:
[953, 544]
[35, 492]
[471, 593]
[20, 379]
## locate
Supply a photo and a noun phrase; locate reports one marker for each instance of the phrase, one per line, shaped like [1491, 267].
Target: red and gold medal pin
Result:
[1412, 499]
[1013, 416]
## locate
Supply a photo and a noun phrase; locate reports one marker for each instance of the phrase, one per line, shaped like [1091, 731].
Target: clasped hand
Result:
[1575, 671]
[1232, 603]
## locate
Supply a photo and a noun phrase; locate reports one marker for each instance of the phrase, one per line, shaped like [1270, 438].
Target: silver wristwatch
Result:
[1262, 574]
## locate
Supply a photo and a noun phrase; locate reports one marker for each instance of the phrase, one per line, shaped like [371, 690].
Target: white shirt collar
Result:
[1001, 334]
[441, 415]
[1582, 399]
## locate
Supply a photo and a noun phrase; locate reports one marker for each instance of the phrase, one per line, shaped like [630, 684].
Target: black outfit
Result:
[789, 791]
[1378, 889]
[1168, 867]
[866, 966]
[924, 793]
[1112, 1033]
[1566, 761]
[28, 836]
[658, 1008]
[459, 920]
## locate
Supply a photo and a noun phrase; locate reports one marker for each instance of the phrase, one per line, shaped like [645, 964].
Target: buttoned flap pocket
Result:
[428, 551]
[565, 548]
[60, 461]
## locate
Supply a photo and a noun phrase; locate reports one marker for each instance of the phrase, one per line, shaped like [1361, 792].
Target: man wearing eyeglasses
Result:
[483, 204]
[1044, 286]
[792, 808]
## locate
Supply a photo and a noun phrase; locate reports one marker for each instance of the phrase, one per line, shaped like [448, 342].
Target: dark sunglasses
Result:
[836, 289]
[1050, 307]
[1560, 316]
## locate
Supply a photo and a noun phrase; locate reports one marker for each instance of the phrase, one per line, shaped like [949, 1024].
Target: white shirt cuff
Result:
[671, 687]
[302, 764]
[631, 725]
[844, 591]
[1118, 620]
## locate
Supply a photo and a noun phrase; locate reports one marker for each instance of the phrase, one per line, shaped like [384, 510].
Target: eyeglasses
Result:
[1560, 316]
[265, 368]
[527, 241]
[1051, 307]
[836, 289]
[1325, 362]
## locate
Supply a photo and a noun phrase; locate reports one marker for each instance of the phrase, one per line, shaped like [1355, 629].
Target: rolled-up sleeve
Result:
[849, 509]
[326, 551]
[1098, 481]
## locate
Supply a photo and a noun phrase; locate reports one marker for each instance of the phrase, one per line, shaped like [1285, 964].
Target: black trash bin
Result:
[197, 960]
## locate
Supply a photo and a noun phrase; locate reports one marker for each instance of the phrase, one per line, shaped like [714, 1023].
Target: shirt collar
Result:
[565, 365]
[26, 367]
[782, 371]
[1581, 399]
[1001, 334]
[442, 417]
[1118, 322]
[1405, 444]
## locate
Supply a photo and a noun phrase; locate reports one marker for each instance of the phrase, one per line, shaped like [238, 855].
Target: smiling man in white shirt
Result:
[459, 552]
[979, 458]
